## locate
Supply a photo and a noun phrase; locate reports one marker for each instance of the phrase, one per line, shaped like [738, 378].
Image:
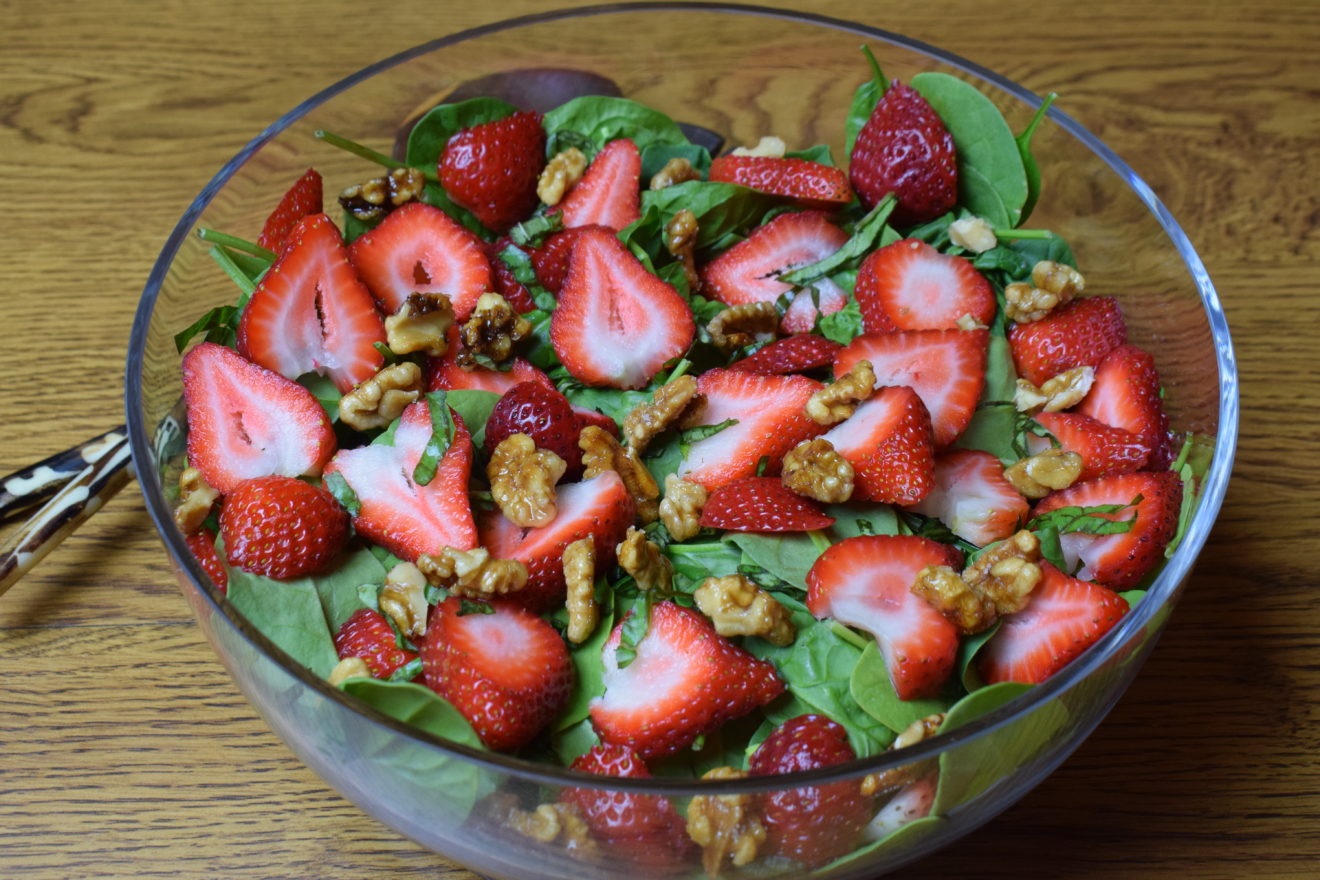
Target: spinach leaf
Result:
[905, 837]
[867, 95]
[1029, 163]
[587, 662]
[289, 614]
[993, 427]
[473, 407]
[602, 119]
[219, 325]
[325, 392]
[338, 588]
[872, 688]
[694, 562]
[1096, 520]
[575, 741]
[819, 153]
[858, 245]
[967, 652]
[723, 211]
[417, 705]
[656, 156]
[842, 326]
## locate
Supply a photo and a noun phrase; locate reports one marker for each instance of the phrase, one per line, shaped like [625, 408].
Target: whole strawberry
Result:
[281, 527]
[905, 149]
[541, 413]
[491, 169]
[368, 635]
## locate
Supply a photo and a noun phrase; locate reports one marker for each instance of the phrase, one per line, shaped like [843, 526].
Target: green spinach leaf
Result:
[289, 614]
[602, 119]
[872, 688]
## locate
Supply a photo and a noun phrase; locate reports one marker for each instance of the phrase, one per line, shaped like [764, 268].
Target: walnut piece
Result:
[1057, 393]
[548, 823]
[422, 324]
[742, 325]
[1052, 285]
[1044, 472]
[382, 398]
[677, 170]
[601, 452]
[917, 731]
[840, 399]
[196, 498]
[1007, 572]
[768, 145]
[738, 607]
[349, 667]
[814, 469]
[972, 234]
[641, 558]
[946, 592]
[670, 402]
[403, 599]
[680, 510]
[490, 333]
[377, 197]
[725, 826]
[560, 175]
[522, 480]
[472, 573]
[681, 241]
[580, 576]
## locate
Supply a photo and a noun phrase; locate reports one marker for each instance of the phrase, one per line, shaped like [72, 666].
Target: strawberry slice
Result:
[972, 497]
[202, 545]
[1126, 394]
[310, 313]
[770, 417]
[247, 421]
[541, 413]
[1063, 617]
[866, 582]
[368, 635]
[905, 149]
[616, 324]
[303, 199]
[609, 194]
[404, 517]
[912, 802]
[504, 669]
[418, 248]
[809, 184]
[503, 281]
[685, 681]
[1078, 333]
[550, 260]
[945, 367]
[491, 169]
[1104, 450]
[748, 272]
[908, 285]
[762, 504]
[792, 354]
[888, 443]
[444, 373]
[1121, 561]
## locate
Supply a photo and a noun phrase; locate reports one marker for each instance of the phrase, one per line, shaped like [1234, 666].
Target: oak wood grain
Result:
[125, 751]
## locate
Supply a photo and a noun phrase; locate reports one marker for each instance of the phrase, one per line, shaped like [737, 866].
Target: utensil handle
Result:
[32, 485]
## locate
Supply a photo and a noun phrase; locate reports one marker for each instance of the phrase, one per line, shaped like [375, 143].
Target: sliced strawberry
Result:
[762, 504]
[905, 149]
[503, 281]
[866, 582]
[888, 442]
[616, 324]
[418, 248]
[770, 417]
[908, 285]
[1126, 394]
[748, 272]
[247, 421]
[972, 497]
[809, 184]
[945, 367]
[303, 199]
[685, 681]
[368, 635]
[491, 169]
[1104, 450]
[912, 802]
[1063, 617]
[550, 260]
[310, 313]
[202, 545]
[445, 374]
[1078, 333]
[609, 194]
[505, 669]
[792, 354]
[401, 515]
[541, 413]
[1120, 561]
[281, 527]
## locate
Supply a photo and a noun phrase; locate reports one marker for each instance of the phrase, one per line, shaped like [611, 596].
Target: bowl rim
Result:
[1160, 594]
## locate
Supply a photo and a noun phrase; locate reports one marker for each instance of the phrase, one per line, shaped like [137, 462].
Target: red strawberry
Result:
[1063, 617]
[281, 527]
[762, 504]
[866, 582]
[444, 373]
[1104, 450]
[491, 169]
[407, 518]
[418, 248]
[908, 285]
[905, 149]
[303, 199]
[587, 417]
[310, 313]
[814, 824]
[810, 184]
[1078, 333]
[541, 413]
[888, 443]
[368, 635]
[202, 545]
[616, 324]
[748, 272]
[685, 681]
[771, 420]
[246, 421]
[945, 367]
[1126, 394]
[550, 260]
[599, 508]
[507, 671]
[792, 354]
[609, 194]
[1120, 561]
[972, 497]
[503, 281]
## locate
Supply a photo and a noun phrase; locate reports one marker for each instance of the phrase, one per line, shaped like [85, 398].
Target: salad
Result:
[613, 453]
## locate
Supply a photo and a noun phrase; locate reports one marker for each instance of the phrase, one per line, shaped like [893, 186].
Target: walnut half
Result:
[840, 399]
[472, 573]
[421, 323]
[670, 402]
[1044, 472]
[382, 398]
[580, 577]
[816, 470]
[522, 481]
[680, 509]
[725, 826]
[738, 607]
[491, 332]
[601, 452]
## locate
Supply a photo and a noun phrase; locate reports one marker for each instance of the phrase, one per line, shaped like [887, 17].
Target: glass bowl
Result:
[742, 72]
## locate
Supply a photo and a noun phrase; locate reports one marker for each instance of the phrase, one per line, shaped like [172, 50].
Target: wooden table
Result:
[125, 751]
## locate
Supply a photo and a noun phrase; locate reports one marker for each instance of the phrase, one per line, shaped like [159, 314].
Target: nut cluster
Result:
[816, 470]
[422, 324]
[998, 582]
[472, 573]
[1052, 285]
[560, 174]
[725, 826]
[601, 452]
[744, 324]
[1045, 472]
[1056, 394]
[670, 403]
[382, 398]
[738, 607]
[641, 558]
[491, 332]
[840, 399]
[580, 577]
[680, 510]
[377, 197]
[522, 480]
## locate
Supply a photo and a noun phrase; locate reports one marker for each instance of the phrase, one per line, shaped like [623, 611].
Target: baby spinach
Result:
[219, 325]
[601, 119]
[474, 407]
[1029, 163]
[859, 244]
[289, 614]
[417, 705]
[338, 588]
[587, 662]
[656, 155]
[574, 741]
[724, 211]
[867, 95]
[994, 423]
[872, 688]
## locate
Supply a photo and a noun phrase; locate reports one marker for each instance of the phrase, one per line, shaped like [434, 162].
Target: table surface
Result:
[125, 751]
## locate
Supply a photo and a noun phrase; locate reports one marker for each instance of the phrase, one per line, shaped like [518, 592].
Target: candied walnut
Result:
[680, 510]
[1044, 472]
[813, 468]
[403, 599]
[548, 823]
[725, 826]
[670, 402]
[972, 234]
[522, 480]
[1057, 393]
[681, 241]
[580, 576]
[196, 498]
[1007, 572]
[641, 558]
[921, 729]
[377, 197]
[742, 325]
[967, 322]
[490, 334]
[601, 452]
[472, 573]
[1052, 285]
[422, 324]
[677, 170]
[768, 145]
[840, 399]
[946, 592]
[560, 174]
[382, 398]
[738, 607]
[349, 667]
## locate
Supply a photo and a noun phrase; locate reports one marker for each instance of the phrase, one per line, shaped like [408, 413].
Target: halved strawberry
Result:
[1120, 561]
[1104, 450]
[202, 545]
[368, 635]
[616, 324]
[398, 513]
[748, 272]
[889, 444]
[444, 373]
[609, 194]
[1126, 394]
[905, 149]
[541, 413]
[1078, 333]
[809, 184]
[972, 497]
[792, 354]
[418, 248]
[247, 421]
[1063, 617]
[502, 279]
[550, 260]
[491, 169]
[866, 582]
[945, 367]
[685, 681]
[762, 504]
[303, 199]
[908, 285]
[770, 420]
[310, 313]
[505, 669]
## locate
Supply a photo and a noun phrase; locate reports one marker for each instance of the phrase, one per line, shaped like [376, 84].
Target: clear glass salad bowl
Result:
[741, 72]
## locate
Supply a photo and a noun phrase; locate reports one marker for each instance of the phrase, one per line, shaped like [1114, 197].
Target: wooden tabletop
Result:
[125, 751]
